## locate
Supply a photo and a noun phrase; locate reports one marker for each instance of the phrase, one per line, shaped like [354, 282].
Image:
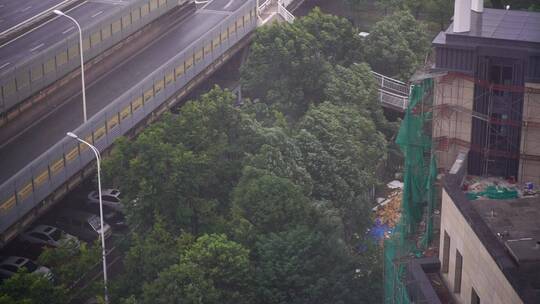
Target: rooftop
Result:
[509, 229]
[509, 25]
[503, 24]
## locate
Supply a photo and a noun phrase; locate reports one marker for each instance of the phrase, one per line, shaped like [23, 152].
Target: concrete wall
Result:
[479, 269]
[530, 136]
[453, 103]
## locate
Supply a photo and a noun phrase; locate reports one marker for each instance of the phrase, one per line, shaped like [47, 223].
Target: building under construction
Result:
[481, 110]
[488, 103]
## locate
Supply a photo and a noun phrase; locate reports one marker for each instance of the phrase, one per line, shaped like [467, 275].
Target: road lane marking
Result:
[35, 28]
[97, 14]
[26, 8]
[67, 31]
[4, 65]
[229, 4]
[37, 47]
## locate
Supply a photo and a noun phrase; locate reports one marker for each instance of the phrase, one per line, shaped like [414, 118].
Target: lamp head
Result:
[72, 135]
[58, 12]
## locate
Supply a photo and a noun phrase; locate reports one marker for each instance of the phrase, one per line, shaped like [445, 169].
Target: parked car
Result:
[110, 198]
[11, 265]
[114, 218]
[84, 225]
[49, 236]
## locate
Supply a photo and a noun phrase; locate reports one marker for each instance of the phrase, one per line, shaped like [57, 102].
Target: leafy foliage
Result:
[28, 288]
[264, 202]
[397, 45]
[212, 270]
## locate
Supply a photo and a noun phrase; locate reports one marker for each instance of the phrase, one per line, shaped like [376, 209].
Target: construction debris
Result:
[495, 188]
[389, 210]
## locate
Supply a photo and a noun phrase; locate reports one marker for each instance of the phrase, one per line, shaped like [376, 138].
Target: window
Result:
[10, 268]
[86, 44]
[49, 66]
[116, 26]
[23, 80]
[446, 253]
[106, 32]
[126, 20]
[36, 73]
[136, 14]
[457, 277]
[61, 58]
[475, 299]
[73, 52]
[40, 236]
[9, 88]
[109, 198]
[153, 4]
[145, 9]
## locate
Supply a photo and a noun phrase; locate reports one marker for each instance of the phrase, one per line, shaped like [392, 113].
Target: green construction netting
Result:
[418, 196]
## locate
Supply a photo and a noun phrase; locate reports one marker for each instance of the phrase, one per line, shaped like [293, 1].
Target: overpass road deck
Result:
[46, 132]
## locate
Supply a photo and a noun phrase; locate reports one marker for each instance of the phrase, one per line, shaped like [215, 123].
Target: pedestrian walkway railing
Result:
[393, 85]
[392, 92]
[283, 12]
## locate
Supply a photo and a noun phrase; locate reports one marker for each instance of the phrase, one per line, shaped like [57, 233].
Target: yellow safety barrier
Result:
[57, 166]
[169, 78]
[198, 56]
[147, 96]
[41, 178]
[136, 104]
[125, 112]
[71, 155]
[189, 63]
[25, 191]
[158, 86]
[98, 134]
[8, 204]
[113, 122]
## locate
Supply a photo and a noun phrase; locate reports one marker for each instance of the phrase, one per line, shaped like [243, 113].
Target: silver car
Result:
[49, 236]
[11, 265]
[110, 198]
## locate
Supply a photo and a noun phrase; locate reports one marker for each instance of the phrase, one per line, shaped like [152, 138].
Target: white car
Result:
[49, 236]
[110, 198]
[11, 265]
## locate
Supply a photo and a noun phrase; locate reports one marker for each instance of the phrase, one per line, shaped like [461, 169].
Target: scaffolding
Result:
[501, 144]
[414, 231]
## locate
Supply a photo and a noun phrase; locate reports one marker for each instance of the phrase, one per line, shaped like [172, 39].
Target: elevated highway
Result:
[41, 164]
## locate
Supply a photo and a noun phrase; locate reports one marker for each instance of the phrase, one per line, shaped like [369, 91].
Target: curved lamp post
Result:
[104, 254]
[60, 13]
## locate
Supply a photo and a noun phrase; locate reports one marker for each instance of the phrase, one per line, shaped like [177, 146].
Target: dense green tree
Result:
[27, 288]
[285, 67]
[213, 270]
[67, 265]
[304, 266]
[269, 203]
[148, 255]
[342, 150]
[336, 37]
[441, 12]
[183, 167]
[298, 59]
[397, 45]
[356, 86]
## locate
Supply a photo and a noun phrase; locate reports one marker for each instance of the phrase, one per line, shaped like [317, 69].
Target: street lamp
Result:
[60, 13]
[98, 159]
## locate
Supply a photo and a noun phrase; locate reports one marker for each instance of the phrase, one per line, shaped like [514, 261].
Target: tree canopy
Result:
[263, 202]
[397, 45]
